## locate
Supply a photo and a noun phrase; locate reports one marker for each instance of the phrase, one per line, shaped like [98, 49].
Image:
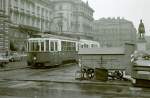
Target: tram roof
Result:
[88, 41]
[53, 37]
[102, 51]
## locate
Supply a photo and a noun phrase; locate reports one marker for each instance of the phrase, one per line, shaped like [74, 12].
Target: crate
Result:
[101, 74]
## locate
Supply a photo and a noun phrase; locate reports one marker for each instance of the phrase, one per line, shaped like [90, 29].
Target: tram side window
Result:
[68, 46]
[31, 46]
[47, 45]
[52, 46]
[42, 46]
[92, 45]
[34, 46]
[28, 45]
[37, 47]
[82, 46]
[73, 46]
[63, 45]
[85, 45]
[56, 46]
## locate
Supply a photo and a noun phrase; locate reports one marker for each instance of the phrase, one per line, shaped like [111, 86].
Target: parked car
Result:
[14, 57]
[3, 60]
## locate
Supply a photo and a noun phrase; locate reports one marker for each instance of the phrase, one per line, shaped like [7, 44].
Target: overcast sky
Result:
[132, 10]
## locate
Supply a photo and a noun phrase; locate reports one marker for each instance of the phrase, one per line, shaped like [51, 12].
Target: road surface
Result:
[23, 82]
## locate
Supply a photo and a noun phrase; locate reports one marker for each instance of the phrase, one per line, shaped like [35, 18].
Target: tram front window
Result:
[34, 46]
[52, 46]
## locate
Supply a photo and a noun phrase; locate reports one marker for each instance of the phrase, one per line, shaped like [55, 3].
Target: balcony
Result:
[22, 10]
[30, 28]
[11, 8]
[16, 9]
[27, 12]
[33, 13]
[38, 14]
[42, 16]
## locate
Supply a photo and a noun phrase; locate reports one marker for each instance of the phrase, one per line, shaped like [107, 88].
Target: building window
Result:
[38, 10]
[21, 19]
[47, 45]
[15, 18]
[42, 12]
[33, 21]
[15, 2]
[60, 7]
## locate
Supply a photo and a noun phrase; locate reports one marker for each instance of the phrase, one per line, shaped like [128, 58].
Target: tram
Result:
[84, 43]
[51, 50]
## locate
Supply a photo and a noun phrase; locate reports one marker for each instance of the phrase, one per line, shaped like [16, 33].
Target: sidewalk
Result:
[13, 65]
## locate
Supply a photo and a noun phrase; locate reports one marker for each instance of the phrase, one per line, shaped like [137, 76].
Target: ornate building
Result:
[114, 32]
[27, 17]
[4, 23]
[72, 16]
[32, 16]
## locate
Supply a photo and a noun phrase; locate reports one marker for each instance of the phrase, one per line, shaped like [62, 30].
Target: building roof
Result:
[104, 51]
[50, 36]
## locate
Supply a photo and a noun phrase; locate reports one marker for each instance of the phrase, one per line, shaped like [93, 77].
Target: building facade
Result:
[27, 17]
[72, 16]
[33, 13]
[4, 23]
[113, 32]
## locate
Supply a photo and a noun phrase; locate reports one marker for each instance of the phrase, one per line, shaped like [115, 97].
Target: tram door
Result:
[54, 52]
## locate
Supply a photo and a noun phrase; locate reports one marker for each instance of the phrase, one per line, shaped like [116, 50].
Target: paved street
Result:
[15, 71]
[109, 39]
[59, 82]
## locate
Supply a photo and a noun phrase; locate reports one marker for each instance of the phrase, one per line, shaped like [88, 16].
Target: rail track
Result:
[11, 69]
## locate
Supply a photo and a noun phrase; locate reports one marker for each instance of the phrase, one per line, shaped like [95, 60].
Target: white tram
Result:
[51, 50]
[84, 43]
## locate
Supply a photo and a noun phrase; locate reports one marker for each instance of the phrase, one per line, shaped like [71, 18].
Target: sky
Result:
[132, 10]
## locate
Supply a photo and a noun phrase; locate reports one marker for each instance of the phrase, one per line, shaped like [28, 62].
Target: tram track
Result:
[11, 69]
[38, 68]
[14, 73]
[75, 87]
[57, 68]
